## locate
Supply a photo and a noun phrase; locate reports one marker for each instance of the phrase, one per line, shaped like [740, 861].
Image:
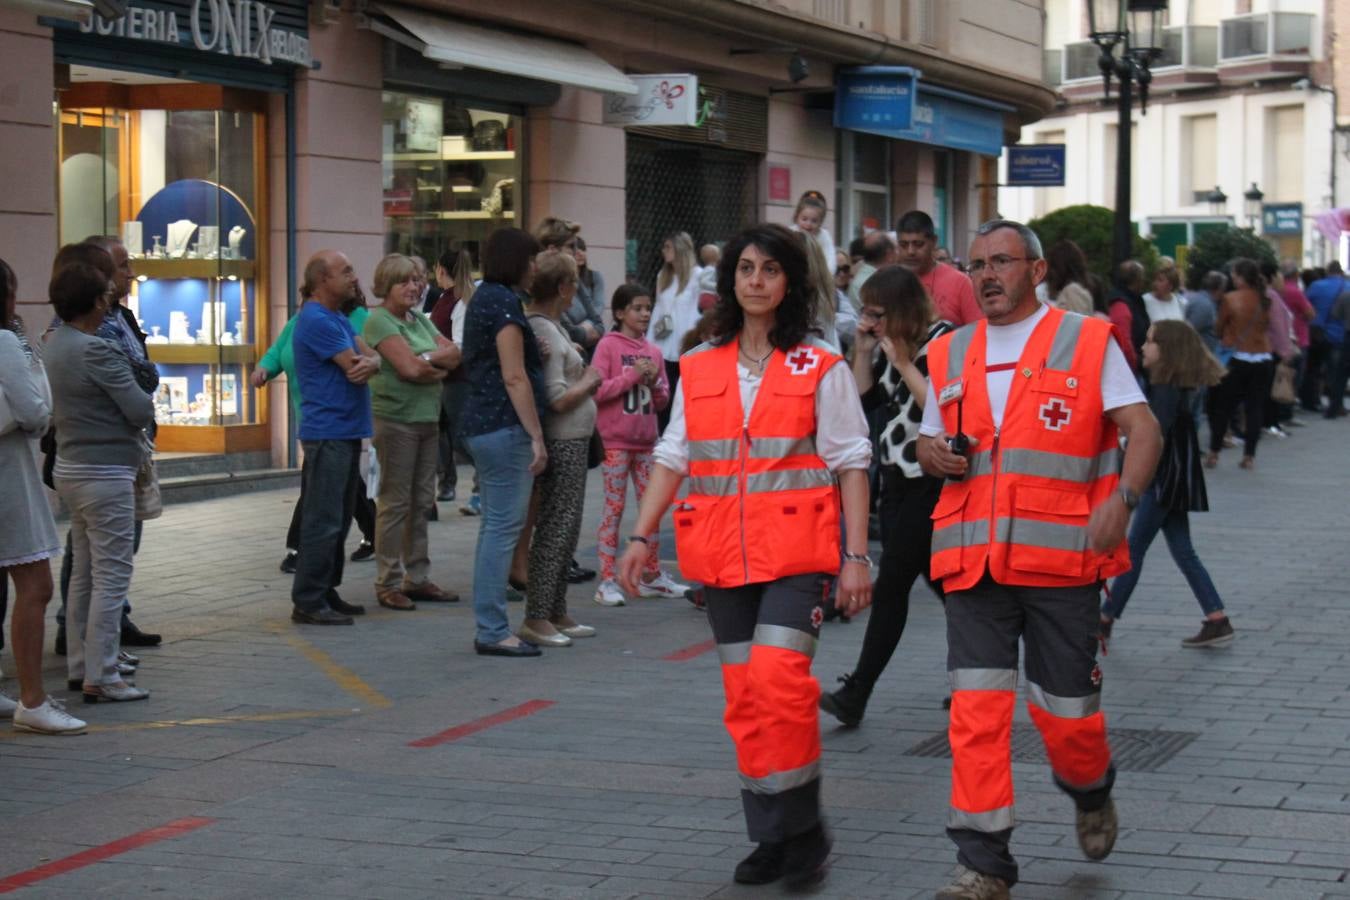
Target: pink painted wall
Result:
[575, 170]
[27, 159]
[339, 202]
[803, 140]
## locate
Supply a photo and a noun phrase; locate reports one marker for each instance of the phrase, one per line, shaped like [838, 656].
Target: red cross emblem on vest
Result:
[1055, 414]
[803, 360]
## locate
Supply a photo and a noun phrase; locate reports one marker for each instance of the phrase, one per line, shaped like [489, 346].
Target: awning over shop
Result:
[935, 115]
[455, 43]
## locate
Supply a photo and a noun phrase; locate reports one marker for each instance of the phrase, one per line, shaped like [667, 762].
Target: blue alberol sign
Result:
[1282, 218]
[870, 97]
[1036, 165]
[890, 101]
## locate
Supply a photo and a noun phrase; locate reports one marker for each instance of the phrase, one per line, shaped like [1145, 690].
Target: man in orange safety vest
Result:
[1026, 408]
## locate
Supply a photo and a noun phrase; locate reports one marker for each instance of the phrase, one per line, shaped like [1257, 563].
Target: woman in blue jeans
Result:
[500, 426]
[1177, 364]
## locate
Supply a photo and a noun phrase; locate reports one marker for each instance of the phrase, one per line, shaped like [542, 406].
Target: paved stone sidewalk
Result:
[283, 753]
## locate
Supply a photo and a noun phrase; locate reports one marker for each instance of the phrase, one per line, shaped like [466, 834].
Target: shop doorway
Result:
[674, 186]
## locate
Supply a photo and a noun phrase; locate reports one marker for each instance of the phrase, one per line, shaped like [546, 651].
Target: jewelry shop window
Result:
[176, 169]
[452, 174]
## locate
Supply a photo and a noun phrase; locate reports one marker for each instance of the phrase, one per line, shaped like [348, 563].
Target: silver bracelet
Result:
[858, 558]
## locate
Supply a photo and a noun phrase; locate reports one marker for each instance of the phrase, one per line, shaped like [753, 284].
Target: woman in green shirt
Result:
[405, 397]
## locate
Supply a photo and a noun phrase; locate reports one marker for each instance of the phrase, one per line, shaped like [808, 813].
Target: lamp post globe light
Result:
[1129, 35]
[1217, 200]
[1252, 198]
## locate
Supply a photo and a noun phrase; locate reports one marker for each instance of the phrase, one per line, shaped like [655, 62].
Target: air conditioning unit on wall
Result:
[324, 12]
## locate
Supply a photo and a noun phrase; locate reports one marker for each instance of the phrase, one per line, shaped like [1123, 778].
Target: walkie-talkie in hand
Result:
[959, 442]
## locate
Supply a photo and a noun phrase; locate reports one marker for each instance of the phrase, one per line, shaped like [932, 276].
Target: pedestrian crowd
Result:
[1011, 430]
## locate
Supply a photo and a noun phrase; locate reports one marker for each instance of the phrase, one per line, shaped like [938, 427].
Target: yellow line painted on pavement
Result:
[342, 676]
[208, 720]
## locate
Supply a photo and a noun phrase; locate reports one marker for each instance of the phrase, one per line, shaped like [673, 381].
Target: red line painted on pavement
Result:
[507, 715]
[691, 651]
[97, 854]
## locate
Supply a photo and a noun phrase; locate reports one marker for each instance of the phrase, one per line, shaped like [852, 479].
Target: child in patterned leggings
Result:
[633, 391]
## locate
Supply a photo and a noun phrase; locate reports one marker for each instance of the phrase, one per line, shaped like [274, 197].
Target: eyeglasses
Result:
[873, 315]
[999, 263]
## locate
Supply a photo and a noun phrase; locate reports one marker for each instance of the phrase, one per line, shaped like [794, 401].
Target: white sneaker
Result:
[609, 593]
[662, 586]
[7, 706]
[49, 718]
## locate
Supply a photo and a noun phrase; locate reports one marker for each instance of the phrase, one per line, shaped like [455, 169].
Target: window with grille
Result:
[675, 186]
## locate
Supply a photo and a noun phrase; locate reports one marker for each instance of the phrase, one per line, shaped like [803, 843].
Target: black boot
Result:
[134, 637]
[762, 866]
[849, 702]
[804, 857]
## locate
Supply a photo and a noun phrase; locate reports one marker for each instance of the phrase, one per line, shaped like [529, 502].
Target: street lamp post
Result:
[1253, 197]
[1217, 200]
[1134, 27]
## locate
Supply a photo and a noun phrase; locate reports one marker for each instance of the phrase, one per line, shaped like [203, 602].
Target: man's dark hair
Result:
[795, 315]
[876, 247]
[1334, 268]
[506, 256]
[75, 288]
[856, 246]
[916, 221]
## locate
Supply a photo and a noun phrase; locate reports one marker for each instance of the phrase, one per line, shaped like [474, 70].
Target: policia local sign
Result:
[241, 29]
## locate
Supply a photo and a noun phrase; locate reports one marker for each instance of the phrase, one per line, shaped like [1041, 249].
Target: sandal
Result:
[1248, 462]
[1211, 460]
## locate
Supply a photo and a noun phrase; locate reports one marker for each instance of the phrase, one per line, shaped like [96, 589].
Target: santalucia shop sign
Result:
[238, 28]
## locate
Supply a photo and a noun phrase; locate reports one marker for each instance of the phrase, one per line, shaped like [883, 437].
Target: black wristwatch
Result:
[1128, 497]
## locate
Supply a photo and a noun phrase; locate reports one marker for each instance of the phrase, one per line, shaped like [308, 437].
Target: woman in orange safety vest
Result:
[767, 428]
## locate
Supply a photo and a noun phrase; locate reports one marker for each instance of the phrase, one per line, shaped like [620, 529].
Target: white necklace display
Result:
[180, 233]
[236, 239]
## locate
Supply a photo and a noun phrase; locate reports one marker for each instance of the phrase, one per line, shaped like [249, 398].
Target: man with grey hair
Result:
[1025, 410]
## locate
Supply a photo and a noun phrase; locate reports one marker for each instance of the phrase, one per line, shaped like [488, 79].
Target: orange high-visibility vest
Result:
[762, 504]
[1022, 510]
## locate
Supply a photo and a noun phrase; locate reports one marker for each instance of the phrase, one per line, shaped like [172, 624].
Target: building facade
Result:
[1243, 102]
[227, 140]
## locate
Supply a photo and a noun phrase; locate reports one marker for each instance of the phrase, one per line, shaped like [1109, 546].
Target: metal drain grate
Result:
[1132, 749]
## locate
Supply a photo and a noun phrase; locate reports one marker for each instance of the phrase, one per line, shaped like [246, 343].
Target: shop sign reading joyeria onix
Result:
[238, 28]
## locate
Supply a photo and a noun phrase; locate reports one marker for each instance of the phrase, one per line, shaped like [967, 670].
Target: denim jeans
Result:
[504, 482]
[1149, 519]
[331, 478]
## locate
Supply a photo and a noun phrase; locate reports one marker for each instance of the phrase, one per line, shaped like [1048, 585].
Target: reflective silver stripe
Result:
[1036, 533]
[961, 534]
[785, 638]
[788, 480]
[1065, 342]
[994, 820]
[956, 350]
[779, 782]
[713, 485]
[983, 679]
[980, 463]
[777, 448]
[1064, 707]
[736, 654]
[1045, 464]
[706, 345]
[714, 449]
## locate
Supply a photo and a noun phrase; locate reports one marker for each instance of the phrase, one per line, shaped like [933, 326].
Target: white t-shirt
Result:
[681, 305]
[1173, 307]
[1004, 344]
[841, 428]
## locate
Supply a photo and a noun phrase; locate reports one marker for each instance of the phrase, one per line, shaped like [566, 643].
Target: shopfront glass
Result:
[175, 169]
[452, 174]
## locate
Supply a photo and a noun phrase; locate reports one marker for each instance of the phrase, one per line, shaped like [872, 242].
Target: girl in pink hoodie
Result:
[633, 390]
